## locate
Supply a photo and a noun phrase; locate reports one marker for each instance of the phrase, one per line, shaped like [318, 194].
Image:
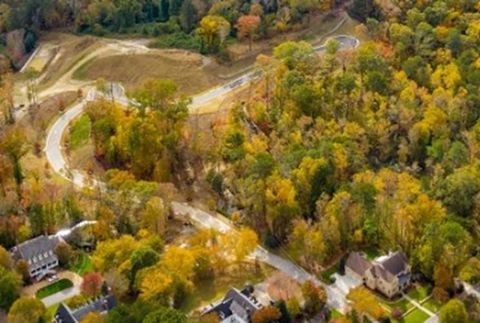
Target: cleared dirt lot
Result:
[186, 69]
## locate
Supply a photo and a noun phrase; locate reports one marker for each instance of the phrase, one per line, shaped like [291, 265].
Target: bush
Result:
[178, 40]
[397, 313]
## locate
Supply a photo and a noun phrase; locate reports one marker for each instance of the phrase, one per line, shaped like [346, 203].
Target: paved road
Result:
[53, 151]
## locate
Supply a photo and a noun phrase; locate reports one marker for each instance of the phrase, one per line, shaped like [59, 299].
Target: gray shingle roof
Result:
[66, 315]
[357, 263]
[396, 263]
[37, 251]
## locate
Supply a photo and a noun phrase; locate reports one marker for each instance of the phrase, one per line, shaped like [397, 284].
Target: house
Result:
[237, 306]
[389, 274]
[102, 305]
[39, 253]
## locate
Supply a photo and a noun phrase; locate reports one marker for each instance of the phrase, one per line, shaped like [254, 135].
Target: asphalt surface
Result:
[55, 157]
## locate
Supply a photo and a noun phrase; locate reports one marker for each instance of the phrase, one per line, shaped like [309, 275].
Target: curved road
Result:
[54, 154]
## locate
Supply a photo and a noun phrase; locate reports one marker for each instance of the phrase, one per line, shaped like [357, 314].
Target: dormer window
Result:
[40, 257]
[45, 254]
[34, 259]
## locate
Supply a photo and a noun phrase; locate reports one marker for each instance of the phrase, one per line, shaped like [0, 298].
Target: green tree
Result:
[454, 312]
[188, 16]
[165, 315]
[26, 309]
[10, 283]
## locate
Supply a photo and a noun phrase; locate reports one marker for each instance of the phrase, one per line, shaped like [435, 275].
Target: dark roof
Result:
[37, 251]
[63, 315]
[357, 263]
[101, 304]
[379, 271]
[396, 263]
[236, 302]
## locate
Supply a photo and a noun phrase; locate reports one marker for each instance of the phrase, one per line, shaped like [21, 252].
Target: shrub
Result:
[178, 40]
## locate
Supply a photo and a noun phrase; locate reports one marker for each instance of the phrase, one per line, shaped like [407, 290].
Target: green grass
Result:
[433, 305]
[80, 132]
[334, 314]
[54, 288]
[50, 313]
[325, 275]
[83, 264]
[403, 304]
[418, 292]
[416, 316]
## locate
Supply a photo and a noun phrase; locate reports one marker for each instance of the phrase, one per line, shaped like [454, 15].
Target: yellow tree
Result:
[154, 216]
[282, 205]
[365, 303]
[213, 30]
[155, 285]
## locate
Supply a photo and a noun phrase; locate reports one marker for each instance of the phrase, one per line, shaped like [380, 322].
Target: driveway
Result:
[61, 296]
[32, 289]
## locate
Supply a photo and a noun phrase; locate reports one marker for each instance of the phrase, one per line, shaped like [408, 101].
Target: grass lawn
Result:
[54, 288]
[210, 291]
[80, 132]
[432, 304]
[83, 264]
[325, 275]
[49, 314]
[416, 316]
[418, 292]
[403, 304]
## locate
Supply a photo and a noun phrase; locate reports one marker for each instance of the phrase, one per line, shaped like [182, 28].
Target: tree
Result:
[154, 216]
[155, 285]
[166, 315]
[64, 253]
[26, 309]
[213, 30]
[188, 16]
[142, 258]
[471, 271]
[13, 145]
[268, 314]
[245, 242]
[364, 302]
[315, 297]
[10, 283]
[247, 26]
[93, 317]
[454, 312]
[91, 284]
[5, 259]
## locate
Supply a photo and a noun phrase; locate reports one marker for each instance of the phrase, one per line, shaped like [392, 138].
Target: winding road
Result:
[56, 159]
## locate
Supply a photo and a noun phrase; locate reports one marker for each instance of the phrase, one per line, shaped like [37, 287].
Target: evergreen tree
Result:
[188, 16]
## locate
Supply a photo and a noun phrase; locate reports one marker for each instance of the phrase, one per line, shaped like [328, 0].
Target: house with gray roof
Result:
[237, 306]
[389, 274]
[39, 253]
[102, 305]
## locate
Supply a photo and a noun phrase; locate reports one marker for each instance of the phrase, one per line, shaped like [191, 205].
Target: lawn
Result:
[432, 304]
[416, 316]
[83, 264]
[325, 275]
[50, 313]
[418, 292]
[210, 291]
[54, 288]
[80, 132]
[403, 304]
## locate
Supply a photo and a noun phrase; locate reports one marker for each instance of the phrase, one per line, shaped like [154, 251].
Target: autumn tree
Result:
[247, 26]
[364, 302]
[91, 284]
[213, 30]
[315, 297]
[64, 253]
[26, 309]
[266, 314]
